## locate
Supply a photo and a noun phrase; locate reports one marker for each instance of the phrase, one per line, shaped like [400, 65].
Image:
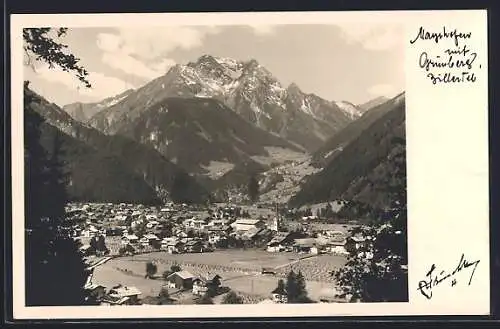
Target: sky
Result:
[354, 62]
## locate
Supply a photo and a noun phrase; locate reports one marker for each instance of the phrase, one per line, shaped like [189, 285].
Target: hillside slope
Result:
[134, 162]
[350, 174]
[196, 133]
[334, 145]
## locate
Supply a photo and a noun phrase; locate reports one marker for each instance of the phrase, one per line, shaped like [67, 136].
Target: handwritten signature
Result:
[433, 278]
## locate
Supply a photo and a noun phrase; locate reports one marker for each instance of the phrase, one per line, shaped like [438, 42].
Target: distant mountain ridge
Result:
[246, 87]
[84, 111]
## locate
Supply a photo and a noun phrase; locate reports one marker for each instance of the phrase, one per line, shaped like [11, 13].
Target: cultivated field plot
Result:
[239, 269]
[235, 260]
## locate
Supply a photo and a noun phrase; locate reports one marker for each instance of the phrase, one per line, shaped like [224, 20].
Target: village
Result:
[179, 254]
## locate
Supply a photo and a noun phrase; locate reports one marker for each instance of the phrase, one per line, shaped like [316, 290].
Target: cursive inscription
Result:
[434, 277]
[438, 36]
[456, 63]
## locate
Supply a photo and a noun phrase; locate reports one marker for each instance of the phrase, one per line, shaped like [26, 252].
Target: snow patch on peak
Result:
[349, 109]
[229, 62]
[306, 107]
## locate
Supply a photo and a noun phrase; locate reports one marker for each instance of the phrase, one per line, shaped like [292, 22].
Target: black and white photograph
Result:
[215, 165]
[252, 162]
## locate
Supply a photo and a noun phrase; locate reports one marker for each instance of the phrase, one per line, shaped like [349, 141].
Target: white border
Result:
[447, 136]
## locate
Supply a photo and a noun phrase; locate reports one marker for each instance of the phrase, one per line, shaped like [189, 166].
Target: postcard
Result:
[292, 164]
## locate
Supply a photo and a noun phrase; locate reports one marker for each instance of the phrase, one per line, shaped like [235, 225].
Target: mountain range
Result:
[84, 111]
[112, 168]
[247, 88]
[204, 128]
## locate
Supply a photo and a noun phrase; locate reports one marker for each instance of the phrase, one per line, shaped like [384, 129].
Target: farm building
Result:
[279, 242]
[308, 245]
[122, 295]
[174, 247]
[337, 245]
[202, 284]
[96, 291]
[129, 239]
[180, 280]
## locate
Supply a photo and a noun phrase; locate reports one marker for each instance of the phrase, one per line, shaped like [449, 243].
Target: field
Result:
[240, 271]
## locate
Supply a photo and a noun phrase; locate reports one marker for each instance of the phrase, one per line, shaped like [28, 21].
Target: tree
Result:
[213, 286]
[296, 288]
[53, 262]
[232, 298]
[93, 245]
[175, 268]
[164, 297]
[101, 245]
[291, 286]
[253, 188]
[42, 44]
[301, 290]
[151, 270]
[377, 271]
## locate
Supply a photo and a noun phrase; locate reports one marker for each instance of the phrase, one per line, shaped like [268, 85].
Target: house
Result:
[121, 218]
[247, 224]
[194, 223]
[95, 291]
[144, 241]
[279, 242]
[193, 246]
[129, 239]
[308, 245]
[354, 242]
[180, 280]
[214, 238]
[215, 223]
[279, 296]
[202, 284]
[151, 237]
[122, 295]
[337, 245]
[175, 247]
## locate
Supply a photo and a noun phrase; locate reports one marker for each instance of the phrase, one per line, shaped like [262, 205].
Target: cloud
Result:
[373, 37]
[136, 67]
[143, 52]
[385, 89]
[102, 85]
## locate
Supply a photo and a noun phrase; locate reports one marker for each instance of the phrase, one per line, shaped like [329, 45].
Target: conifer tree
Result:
[55, 271]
